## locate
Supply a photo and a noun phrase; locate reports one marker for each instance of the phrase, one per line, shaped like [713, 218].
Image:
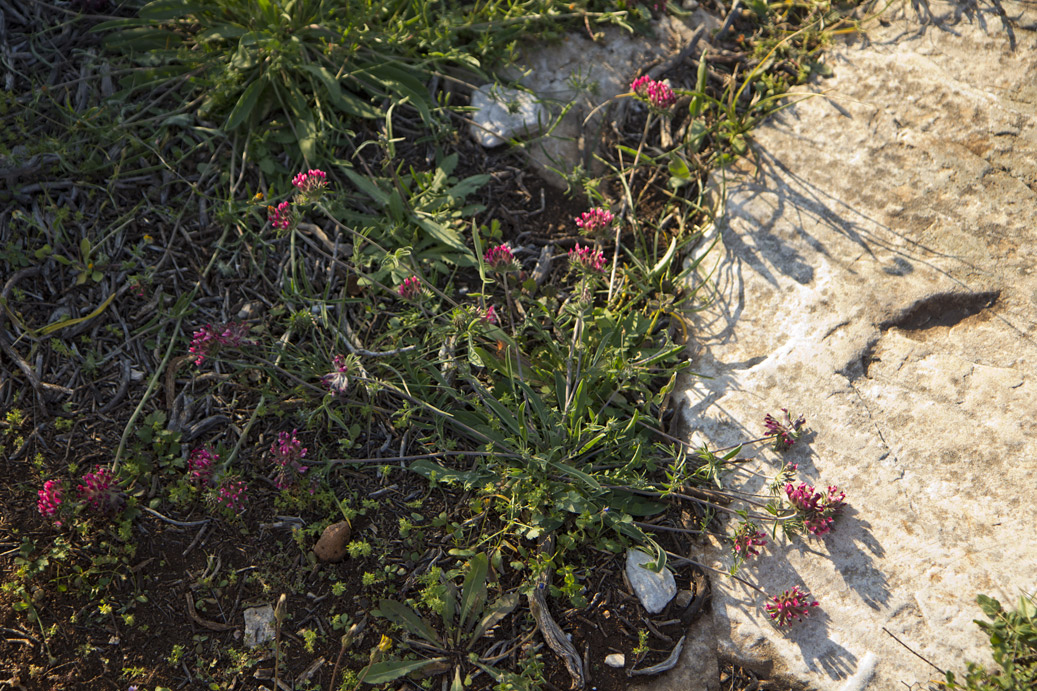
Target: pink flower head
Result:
[817, 509]
[311, 184]
[785, 433]
[99, 491]
[586, 259]
[594, 220]
[410, 288]
[280, 217]
[50, 497]
[747, 538]
[200, 465]
[337, 380]
[231, 494]
[288, 453]
[656, 94]
[209, 338]
[491, 315]
[500, 259]
[791, 605]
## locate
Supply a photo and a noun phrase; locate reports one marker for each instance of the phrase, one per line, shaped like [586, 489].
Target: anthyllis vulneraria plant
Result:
[410, 288]
[311, 184]
[337, 380]
[586, 260]
[50, 500]
[595, 221]
[231, 494]
[288, 453]
[785, 432]
[817, 509]
[658, 95]
[100, 492]
[201, 464]
[747, 538]
[208, 339]
[280, 216]
[791, 605]
[501, 259]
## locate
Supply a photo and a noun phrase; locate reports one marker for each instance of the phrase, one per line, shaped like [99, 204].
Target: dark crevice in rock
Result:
[858, 366]
[941, 309]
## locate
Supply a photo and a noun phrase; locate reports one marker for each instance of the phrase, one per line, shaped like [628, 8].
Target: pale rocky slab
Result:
[878, 273]
[654, 589]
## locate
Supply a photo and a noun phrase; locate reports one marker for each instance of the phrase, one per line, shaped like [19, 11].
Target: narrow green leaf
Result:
[500, 609]
[456, 685]
[403, 616]
[245, 105]
[473, 592]
[666, 260]
[390, 670]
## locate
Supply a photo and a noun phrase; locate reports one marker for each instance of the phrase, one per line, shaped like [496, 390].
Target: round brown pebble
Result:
[332, 543]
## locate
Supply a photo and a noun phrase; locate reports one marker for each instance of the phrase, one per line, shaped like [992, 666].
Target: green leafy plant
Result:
[1013, 641]
[466, 617]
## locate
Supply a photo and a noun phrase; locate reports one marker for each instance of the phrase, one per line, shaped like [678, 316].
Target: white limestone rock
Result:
[501, 114]
[653, 589]
[877, 274]
[616, 660]
[259, 625]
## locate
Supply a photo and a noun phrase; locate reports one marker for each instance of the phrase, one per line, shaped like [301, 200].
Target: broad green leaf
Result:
[666, 260]
[500, 609]
[406, 618]
[163, 10]
[445, 235]
[343, 100]
[142, 39]
[456, 685]
[473, 592]
[245, 105]
[368, 187]
[384, 672]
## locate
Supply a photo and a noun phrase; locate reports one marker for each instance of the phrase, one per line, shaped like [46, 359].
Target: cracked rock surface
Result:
[878, 274]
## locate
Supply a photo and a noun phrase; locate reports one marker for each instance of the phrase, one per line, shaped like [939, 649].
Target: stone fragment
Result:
[616, 660]
[653, 589]
[683, 599]
[259, 625]
[331, 546]
[501, 113]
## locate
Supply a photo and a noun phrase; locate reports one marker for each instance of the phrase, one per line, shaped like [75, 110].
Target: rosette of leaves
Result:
[300, 70]
[466, 619]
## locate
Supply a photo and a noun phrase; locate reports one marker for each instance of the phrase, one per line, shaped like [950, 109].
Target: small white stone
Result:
[654, 590]
[615, 660]
[259, 625]
[501, 114]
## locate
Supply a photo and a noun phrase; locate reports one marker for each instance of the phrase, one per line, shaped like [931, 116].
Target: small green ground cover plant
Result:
[281, 293]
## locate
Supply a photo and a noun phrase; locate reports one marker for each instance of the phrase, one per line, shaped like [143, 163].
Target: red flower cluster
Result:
[817, 509]
[656, 94]
[791, 605]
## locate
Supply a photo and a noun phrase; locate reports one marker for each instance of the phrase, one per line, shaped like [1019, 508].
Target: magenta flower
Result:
[288, 453]
[586, 259]
[311, 184]
[337, 380]
[491, 315]
[410, 288]
[818, 510]
[280, 217]
[785, 433]
[209, 338]
[99, 491]
[594, 220]
[200, 465]
[656, 94]
[747, 538]
[232, 495]
[50, 498]
[791, 605]
[500, 259]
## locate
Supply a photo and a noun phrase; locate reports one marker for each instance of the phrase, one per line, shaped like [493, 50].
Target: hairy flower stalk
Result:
[817, 509]
[50, 498]
[791, 605]
[785, 432]
[288, 453]
[99, 491]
